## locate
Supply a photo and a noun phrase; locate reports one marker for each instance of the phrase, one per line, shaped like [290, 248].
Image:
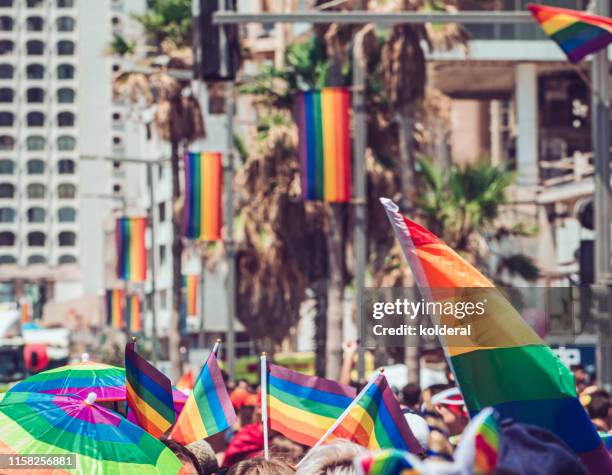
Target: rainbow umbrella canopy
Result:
[102, 441]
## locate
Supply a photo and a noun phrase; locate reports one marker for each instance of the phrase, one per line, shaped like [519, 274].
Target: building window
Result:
[162, 255]
[7, 239]
[65, 71]
[36, 215]
[7, 167]
[34, 23]
[66, 191]
[65, 142]
[6, 3]
[67, 238]
[6, 23]
[35, 167]
[34, 3]
[6, 259]
[65, 23]
[65, 47]
[6, 142]
[163, 299]
[6, 119]
[116, 188]
[36, 142]
[35, 95]
[65, 96]
[35, 71]
[65, 119]
[6, 47]
[162, 212]
[66, 215]
[7, 190]
[35, 48]
[6, 95]
[7, 215]
[66, 167]
[6, 71]
[36, 239]
[36, 191]
[67, 259]
[36, 259]
[65, 3]
[35, 119]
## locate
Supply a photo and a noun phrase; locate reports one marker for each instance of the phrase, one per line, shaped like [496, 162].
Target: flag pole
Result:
[216, 347]
[346, 412]
[264, 403]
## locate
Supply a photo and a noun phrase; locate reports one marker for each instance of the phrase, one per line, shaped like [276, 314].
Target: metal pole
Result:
[152, 261]
[201, 339]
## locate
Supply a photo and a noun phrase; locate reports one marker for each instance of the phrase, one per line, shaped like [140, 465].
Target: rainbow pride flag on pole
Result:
[506, 366]
[324, 144]
[114, 303]
[131, 250]
[190, 283]
[208, 409]
[385, 462]
[133, 314]
[577, 33]
[202, 217]
[303, 407]
[148, 393]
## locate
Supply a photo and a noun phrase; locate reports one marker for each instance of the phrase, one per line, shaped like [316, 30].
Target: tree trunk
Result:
[174, 330]
[335, 292]
[320, 330]
[405, 126]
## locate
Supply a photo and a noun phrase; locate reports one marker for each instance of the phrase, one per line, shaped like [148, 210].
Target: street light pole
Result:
[152, 262]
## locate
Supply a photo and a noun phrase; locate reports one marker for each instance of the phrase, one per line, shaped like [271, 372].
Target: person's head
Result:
[581, 377]
[190, 463]
[261, 466]
[335, 458]
[411, 395]
[286, 450]
[205, 456]
[451, 408]
[599, 406]
[418, 427]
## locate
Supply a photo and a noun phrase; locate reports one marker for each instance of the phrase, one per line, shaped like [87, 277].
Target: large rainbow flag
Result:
[133, 314]
[506, 365]
[190, 283]
[131, 250]
[114, 306]
[208, 409]
[202, 217]
[324, 143]
[148, 393]
[577, 33]
[302, 407]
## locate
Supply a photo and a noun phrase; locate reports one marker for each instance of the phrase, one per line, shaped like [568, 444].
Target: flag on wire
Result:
[131, 250]
[114, 303]
[503, 364]
[324, 149]
[133, 314]
[577, 33]
[208, 409]
[190, 283]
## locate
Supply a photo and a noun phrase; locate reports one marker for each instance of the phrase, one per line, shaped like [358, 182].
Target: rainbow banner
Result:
[148, 393]
[114, 303]
[190, 283]
[302, 407]
[131, 251]
[507, 365]
[385, 462]
[208, 409]
[133, 314]
[324, 144]
[577, 33]
[202, 217]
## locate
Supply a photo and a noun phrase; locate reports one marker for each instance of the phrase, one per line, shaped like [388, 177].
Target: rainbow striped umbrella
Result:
[102, 441]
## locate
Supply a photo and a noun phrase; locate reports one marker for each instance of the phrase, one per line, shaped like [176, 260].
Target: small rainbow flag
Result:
[376, 420]
[131, 251]
[202, 217]
[324, 144]
[148, 393]
[302, 407]
[190, 283]
[385, 462]
[133, 314]
[114, 303]
[577, 33]
[208, 409]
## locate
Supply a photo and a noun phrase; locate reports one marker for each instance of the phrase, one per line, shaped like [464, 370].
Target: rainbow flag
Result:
[202, 217]
[386, 462]
[190, 283]
[506, 365]
[324, 144]
[376, 420]
[114, 302]
[208, 409]
[131, 251]
[148, 393]
[577, 33]
[133, 314]
[302, 407]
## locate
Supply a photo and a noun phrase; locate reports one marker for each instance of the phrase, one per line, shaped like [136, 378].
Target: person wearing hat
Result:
[450, 406]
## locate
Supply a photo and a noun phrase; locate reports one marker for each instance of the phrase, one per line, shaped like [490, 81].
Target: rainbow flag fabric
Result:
[302, 407]
[133, 314]
[577, 33]
[190, 283]
[202, 217]
[208, 409]
[148, 393]
[323, 123]
[376, 421]
[131, 250]
[506, 366]
[114, 303]
[386, 462]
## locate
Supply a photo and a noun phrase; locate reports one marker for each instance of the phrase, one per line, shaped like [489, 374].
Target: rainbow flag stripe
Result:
[324, 144]
[385, 462]
[190, 283]
[202, 217]
[486, 444]
[114, 302]
[523, 380]
[131, 251]
[377, 421]
[577, 33]
[302, 407]
[208, 409]
[133, 314]
[148, 393]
